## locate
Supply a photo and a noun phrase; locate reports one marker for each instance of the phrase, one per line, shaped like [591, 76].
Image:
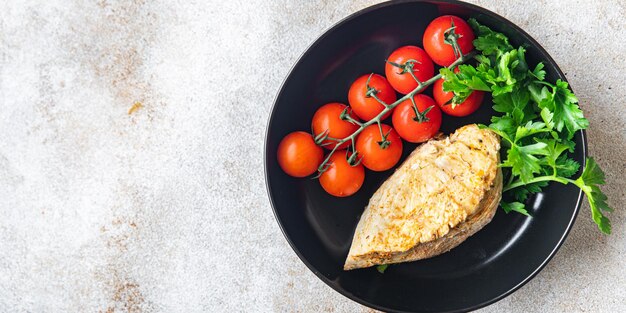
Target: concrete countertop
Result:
[164, 209]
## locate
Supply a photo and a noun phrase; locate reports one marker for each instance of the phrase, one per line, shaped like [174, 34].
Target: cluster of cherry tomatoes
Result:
[378, 146]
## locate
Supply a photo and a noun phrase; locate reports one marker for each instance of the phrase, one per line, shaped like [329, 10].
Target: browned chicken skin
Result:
[443, 193]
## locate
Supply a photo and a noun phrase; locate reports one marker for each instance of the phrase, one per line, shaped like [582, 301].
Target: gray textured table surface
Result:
[165, 210]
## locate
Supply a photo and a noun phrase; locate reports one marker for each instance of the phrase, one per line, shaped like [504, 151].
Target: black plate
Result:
[489, 265]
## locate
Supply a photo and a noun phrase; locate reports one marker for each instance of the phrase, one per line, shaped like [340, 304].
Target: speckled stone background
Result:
[165, 209]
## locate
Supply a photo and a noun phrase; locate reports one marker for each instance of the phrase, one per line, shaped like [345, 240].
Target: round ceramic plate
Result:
[488, 266]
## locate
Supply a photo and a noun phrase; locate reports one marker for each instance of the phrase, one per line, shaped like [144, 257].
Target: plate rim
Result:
[270, 121]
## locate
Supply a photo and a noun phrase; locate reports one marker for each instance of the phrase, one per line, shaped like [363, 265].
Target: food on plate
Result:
[407, 65]
[536, 121]
[366, 93]
[341, 178]
[437, 41]
[380, 148]
[299, 155]
[444, 192]
[417, 119]
[327, 120]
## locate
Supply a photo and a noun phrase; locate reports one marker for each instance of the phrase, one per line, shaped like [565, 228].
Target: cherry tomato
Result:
[298, 155]
[410, 127]
[374, 156]
[342, 179]
[366, 107]
[469, 106]
[328, 118]
[441, 52]
[401, 80]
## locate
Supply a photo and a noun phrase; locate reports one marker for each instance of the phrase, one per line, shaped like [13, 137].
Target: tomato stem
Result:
[415, 77]
[324, 165]
[451, 38]
[383, 143]
[388, 107]
[346, 117]
[380, 101]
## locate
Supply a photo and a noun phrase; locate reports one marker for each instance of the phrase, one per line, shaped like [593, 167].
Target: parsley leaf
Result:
[381, 268]
[531, 128]
[488, 41]
[566, 167]
[523, 160]
[559, 107]
[515, 104]
[566, 110]
[503, 125]
[514, 206]
[538, 72]
[591, 177]
[462, 83]
[554, 149]
[521, 193]
[511, 69]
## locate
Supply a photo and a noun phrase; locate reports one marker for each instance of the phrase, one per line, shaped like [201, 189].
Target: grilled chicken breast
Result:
[444, 192]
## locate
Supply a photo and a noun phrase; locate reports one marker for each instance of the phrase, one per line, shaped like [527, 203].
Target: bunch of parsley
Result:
[537, 125]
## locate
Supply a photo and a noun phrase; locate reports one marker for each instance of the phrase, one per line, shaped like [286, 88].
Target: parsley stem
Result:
[520, 183]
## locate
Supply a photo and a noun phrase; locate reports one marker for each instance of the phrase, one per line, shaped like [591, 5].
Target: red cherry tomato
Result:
[410, 127]
[328, 119]
[469, 106]
[342, 179]
[402, 81]
[366, 107]
[441, 52]
[375, 157]
[298, 155]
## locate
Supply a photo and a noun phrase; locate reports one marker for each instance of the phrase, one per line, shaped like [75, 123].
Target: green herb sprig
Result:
[537, 125]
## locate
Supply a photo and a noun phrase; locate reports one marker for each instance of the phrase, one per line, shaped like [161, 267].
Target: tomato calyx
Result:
[452, 103]
[353, 158]
[407, 67]
[451, 37]
[345, 116]
[320, 138]
[384, 142]
[371, 92]
[455, 101]
[420, 117]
